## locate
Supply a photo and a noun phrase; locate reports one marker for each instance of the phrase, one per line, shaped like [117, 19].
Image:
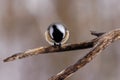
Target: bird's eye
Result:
[56, 34]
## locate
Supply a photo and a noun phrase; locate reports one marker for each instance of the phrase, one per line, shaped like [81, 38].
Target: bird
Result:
[56, 34]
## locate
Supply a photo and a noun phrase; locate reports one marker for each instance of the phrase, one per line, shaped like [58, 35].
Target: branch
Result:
[96, 33]
[49, 49]
[101, 44]
[98, 44]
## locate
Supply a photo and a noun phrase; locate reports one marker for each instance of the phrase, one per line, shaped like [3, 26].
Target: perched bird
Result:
[56, 34]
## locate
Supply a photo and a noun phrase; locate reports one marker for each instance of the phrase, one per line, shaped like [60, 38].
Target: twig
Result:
[96, 33]
[44, 50]
[102, 43]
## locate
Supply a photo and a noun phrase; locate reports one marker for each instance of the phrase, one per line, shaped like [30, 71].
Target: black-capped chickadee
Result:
[56, 34]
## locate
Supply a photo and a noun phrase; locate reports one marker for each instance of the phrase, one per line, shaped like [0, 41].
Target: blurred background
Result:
[22, 27]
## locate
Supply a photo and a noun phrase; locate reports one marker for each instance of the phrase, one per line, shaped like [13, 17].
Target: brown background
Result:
[22, 27]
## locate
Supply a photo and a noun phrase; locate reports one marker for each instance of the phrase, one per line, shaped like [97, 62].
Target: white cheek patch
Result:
[61, 28]
[51, 32]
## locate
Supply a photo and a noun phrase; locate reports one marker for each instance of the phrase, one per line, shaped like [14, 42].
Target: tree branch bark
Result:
[98, 44]
[52, 49]
[101, 44]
